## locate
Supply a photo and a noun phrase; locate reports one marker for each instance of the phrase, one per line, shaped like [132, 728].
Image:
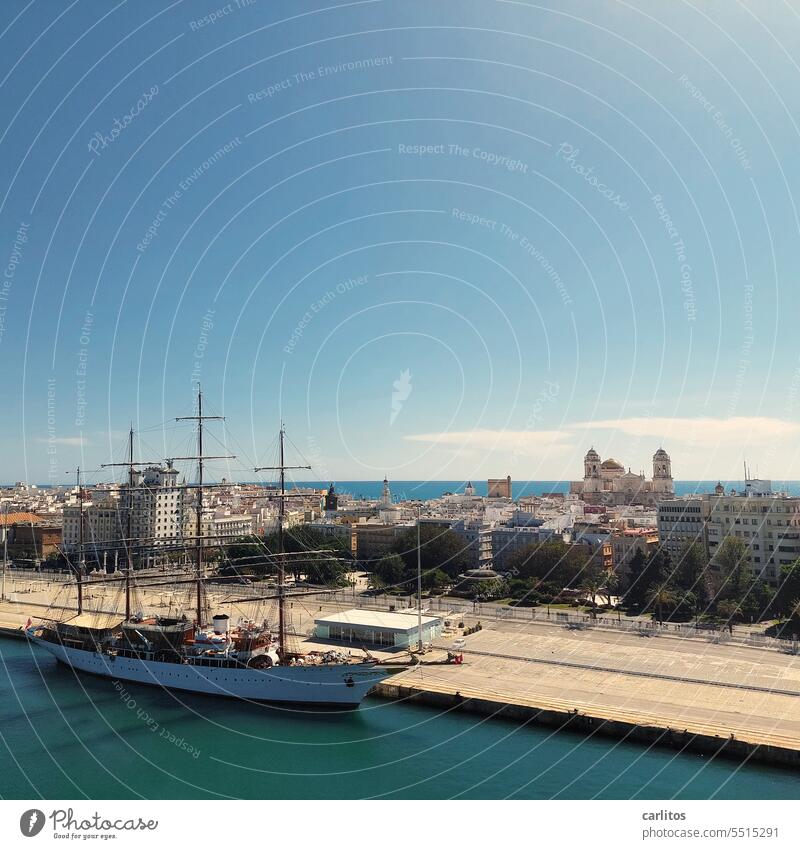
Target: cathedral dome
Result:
[611, 463]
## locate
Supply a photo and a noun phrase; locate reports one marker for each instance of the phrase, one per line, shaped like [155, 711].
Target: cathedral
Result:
[607, 482]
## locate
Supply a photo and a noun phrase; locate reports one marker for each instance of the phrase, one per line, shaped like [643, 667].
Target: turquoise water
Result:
[68, 736]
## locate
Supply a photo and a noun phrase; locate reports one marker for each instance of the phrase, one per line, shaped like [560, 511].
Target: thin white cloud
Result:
[65, 440]
[518, 441]
[703, 430]
[701, 448]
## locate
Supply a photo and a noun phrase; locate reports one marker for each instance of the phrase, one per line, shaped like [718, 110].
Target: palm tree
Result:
[592, 584]
[663, 595]
[613, 585]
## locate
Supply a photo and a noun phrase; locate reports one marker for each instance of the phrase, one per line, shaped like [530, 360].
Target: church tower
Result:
[331, 500]
[662, 472]
[386, 498]
[591, 471]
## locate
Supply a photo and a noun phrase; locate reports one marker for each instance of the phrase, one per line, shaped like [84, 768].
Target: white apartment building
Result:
[507, 540]
[230, 527]
[475, 534]
[157, 507]
[682, 521]
[334, 530]
[102, 525]
[767, 523]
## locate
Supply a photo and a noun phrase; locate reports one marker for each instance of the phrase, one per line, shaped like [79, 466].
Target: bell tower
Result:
[331, 500]
[591, 471]
[662, 472]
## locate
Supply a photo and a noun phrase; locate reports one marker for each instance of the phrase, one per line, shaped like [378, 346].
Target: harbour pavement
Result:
[697, 693]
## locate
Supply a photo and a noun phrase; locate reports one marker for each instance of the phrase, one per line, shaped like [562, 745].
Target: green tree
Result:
[691, 573]
[300, 542]
[731, 560]
[737, 584]
[247, 557]
[784, 602]
[661, 597]
[740, 596]
[613, 585]
[552, 563]
[389, 572]
[442, 550]
[644, 574]
[591, 584]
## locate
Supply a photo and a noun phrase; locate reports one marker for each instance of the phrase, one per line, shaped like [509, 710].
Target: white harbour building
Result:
[376, 628]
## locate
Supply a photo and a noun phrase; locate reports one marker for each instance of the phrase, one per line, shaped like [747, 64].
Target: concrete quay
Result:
[712, 698]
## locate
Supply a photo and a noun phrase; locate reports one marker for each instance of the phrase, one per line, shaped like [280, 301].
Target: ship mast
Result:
[419, 578]
[79, 569]
[5, 550]
[199, 569]
[131, 464]
[129, 525]
[282, 468]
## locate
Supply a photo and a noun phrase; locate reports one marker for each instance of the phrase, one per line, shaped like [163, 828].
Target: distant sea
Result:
[426, 490]
[403, 490]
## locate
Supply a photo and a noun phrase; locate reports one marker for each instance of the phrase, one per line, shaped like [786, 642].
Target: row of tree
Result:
[442, 554]
[675, 589]
[311, 556]
[727, 588]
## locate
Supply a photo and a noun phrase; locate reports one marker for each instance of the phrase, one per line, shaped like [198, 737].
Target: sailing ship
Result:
[248, 661]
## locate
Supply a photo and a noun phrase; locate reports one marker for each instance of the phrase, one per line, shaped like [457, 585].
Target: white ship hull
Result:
[335, 685]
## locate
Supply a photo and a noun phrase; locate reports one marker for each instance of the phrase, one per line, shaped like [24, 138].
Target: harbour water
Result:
[68, 736]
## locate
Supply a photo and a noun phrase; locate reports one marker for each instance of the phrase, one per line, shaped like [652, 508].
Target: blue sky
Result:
[440, 240]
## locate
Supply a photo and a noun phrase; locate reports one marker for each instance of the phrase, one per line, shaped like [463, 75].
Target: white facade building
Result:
[767, 523]
[102, 525]
[681, 522]
[157, 507]
[231, 527]
[607, 482]
[377, 628]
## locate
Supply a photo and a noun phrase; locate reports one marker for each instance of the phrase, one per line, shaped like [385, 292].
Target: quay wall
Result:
[774, 753]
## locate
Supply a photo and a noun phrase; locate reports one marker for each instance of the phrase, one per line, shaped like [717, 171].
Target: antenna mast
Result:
[282, 468]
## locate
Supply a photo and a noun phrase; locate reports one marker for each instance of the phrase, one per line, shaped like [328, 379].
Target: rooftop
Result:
[19, 518]
[377, 619]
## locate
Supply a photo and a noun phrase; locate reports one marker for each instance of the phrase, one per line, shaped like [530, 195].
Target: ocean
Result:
[68, 736]
[402, 490]
[425, 490]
